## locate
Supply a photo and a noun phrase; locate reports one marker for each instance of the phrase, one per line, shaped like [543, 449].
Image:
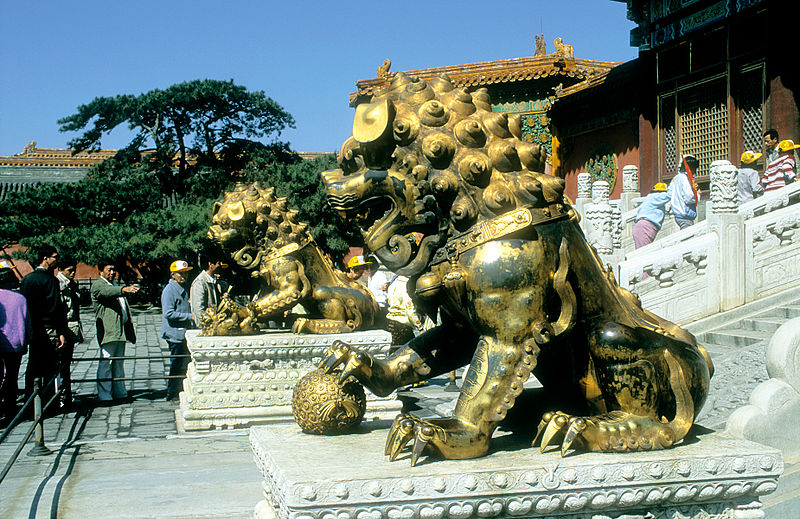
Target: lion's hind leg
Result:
[622, 430]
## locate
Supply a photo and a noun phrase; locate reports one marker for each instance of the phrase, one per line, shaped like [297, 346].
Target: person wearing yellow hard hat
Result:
[176, 317]
[356, 267]
[749, 180]
[781, 171]
[650, 216]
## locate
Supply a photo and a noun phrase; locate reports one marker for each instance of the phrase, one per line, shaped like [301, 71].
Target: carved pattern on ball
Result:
[323, 405]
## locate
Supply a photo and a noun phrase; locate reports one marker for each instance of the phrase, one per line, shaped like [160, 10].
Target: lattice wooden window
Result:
[751, 103]
[668, 142]
[703, 122]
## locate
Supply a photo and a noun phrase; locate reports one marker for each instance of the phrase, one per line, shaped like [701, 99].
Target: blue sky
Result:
[56, 55]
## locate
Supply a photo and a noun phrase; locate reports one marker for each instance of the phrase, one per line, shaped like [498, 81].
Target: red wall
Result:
[623, 140]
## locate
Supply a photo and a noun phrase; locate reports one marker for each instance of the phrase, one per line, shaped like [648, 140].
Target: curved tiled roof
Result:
[32, 156]
[498, 71]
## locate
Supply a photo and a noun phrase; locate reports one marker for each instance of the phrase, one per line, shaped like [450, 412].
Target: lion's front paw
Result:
[353, 362]
[447, 437]
[616, 431]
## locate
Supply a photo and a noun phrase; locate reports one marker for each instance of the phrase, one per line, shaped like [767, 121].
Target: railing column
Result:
[726, 221]
[39, 448]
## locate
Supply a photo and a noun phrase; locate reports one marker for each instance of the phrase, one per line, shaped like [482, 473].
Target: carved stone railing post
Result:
[630, 187]
[711, 170]
[724, 189]
[725, 220]
[630, 192]
[599, 219]
[584, 197]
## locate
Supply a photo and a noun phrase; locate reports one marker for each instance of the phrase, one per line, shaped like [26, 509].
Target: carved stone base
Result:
[348, 477]
[246, 380]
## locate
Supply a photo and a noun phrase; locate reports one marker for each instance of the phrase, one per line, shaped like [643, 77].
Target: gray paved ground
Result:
[126, 459]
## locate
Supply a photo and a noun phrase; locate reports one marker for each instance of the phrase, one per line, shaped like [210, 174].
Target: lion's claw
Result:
[404, 429]
[616, 431]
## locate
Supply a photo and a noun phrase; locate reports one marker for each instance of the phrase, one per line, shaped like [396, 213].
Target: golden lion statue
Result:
[518, 288]
[264, 236]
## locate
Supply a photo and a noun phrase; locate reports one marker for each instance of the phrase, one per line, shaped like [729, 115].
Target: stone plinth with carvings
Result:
[348, 477]
[246, 380]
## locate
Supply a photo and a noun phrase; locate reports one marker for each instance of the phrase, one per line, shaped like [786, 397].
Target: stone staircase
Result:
[737, 341]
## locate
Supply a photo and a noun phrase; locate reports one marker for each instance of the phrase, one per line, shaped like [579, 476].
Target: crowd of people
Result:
[40, 317]
[779, 169]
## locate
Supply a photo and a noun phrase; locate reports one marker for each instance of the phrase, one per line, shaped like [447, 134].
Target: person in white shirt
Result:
[207, 289]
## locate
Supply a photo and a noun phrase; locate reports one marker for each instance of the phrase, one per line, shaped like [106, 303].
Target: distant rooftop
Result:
[32, 156]
[483, 73]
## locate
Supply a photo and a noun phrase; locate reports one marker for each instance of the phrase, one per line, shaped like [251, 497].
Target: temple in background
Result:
[710, 78]
[46, 165]
[528, 86]
[55, 165]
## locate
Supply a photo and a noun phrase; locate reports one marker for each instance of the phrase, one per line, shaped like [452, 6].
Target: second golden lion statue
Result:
[265, 237]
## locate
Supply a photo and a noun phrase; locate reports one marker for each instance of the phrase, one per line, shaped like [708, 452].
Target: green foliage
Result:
[193, 126]
[300, 181]
[143, 207]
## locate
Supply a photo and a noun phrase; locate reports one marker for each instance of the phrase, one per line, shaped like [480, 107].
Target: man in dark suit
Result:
[48, 319]
[114, 327]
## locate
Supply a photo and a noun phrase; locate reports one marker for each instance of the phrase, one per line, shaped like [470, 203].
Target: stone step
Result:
[718, 350]
[785, 502]
[762, 324]
[734, 337]
[783, 311]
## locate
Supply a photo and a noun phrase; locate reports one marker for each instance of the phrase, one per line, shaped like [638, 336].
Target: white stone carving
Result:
[600, 225]
[600, 192]
[235, 381]
[630, 179]
[773, 414]
[348, 477]
[584, 185]
[724, 189]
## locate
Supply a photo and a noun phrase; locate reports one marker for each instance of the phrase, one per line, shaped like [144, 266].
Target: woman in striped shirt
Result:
[781, 170]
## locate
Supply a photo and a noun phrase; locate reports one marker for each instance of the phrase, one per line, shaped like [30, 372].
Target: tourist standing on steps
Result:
[114, 326]
[207, 289]
[749, 181]
[650, 216]
[72, 303]
[771, 140]
[48, 320]
[781, 170]
[176, 317]
[15, 335]
[682, 193]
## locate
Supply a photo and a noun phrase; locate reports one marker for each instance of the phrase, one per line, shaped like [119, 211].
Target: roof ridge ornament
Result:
[564, 50]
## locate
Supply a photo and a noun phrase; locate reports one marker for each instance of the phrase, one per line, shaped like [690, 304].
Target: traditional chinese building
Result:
[45, 165]
[527, 86]
[54, 165]
[710, 78]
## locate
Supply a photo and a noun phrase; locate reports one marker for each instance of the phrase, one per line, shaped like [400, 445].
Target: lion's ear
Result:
[373, 120]
[236, 211]
[215, 210]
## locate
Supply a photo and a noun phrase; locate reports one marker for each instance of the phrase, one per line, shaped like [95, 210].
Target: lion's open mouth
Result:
[371, 212]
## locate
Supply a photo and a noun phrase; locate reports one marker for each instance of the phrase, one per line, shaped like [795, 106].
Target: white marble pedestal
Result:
[246, 380]
[713, 476]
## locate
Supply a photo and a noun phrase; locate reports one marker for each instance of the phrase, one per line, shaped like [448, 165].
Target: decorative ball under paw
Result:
[323, 405]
